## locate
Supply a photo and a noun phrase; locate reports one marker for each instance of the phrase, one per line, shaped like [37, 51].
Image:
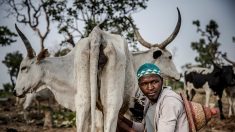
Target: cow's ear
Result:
[157, 54]
[43, 54]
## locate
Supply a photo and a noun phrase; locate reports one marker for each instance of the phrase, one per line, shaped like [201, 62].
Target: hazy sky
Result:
[155, 24]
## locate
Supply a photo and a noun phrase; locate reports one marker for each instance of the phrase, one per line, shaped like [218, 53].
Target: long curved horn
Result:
[138, 36]
[173, 35]
[31, 52]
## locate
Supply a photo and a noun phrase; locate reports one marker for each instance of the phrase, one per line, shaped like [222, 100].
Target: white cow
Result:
[59, 75]
[114, 76]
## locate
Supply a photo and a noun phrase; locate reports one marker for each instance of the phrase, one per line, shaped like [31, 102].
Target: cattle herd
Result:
[97, 79]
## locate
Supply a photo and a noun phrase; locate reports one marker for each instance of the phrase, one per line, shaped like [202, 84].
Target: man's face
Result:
[151, 86]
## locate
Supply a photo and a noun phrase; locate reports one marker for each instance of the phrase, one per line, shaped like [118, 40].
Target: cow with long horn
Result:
[158, 53]
[80, 77]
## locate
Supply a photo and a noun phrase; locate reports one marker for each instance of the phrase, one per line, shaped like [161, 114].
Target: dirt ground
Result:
[11, 120]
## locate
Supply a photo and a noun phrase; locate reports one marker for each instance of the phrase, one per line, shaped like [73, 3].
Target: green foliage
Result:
[12, 62]
[6, 92]
[111, 15]
[64, 118]
[62, 52]
[6, 36]
[8, 87]
[76, 18]
[207, 46]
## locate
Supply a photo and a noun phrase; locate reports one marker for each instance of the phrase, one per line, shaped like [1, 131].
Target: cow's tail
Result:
[185, 83]
[186, 90]
[95, 43]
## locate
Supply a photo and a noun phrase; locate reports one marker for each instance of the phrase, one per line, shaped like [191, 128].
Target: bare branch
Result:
[228, 60]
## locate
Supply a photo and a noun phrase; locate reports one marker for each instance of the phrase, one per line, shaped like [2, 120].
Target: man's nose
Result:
[150, 86]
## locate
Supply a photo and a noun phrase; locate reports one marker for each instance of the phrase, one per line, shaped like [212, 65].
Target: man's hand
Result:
[124, 125]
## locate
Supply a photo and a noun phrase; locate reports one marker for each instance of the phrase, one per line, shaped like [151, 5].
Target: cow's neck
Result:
[58, 75]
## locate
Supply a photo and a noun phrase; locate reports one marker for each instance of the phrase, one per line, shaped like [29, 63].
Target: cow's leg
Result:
[82, 97]
[190, 92]
[233, 104]
[47, 119]
[220, 105]
[26, 116]
[187, 94]
[112, 87]
[111, 111]
[82, 113]
[221, 109]
[208, 94]
[186, 90]
[230, 106]
[99, 121]
[193, 93]
[38, 105]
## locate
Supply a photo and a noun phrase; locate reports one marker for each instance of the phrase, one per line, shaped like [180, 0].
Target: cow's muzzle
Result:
[15, 94]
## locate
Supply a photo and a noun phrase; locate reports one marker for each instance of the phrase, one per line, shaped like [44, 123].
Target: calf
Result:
[216, 80]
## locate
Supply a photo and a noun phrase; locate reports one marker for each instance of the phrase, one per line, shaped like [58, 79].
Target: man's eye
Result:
[155, 81]
[143, 84]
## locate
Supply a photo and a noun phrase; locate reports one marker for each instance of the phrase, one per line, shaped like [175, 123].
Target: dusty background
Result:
[11, 119]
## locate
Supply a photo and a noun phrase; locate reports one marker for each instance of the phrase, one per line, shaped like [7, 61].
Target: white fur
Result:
[70, 78]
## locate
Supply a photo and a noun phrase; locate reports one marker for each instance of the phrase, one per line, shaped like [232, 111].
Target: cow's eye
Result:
[23, 68]
[157, 54]
[170, 57]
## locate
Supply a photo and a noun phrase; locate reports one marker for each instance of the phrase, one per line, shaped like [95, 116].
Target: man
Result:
[164, 109]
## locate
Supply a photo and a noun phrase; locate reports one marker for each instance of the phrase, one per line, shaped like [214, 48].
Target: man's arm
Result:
[125, 125]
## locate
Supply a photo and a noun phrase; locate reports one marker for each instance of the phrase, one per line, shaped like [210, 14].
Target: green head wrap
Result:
[148, 68]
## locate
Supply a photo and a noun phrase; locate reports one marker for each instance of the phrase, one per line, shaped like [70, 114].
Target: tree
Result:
[110, 14]
[8, 87]
[62, 52]
[70, 15]
[207, 46]
[12, 62]
[6, 36]
[31, 13]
